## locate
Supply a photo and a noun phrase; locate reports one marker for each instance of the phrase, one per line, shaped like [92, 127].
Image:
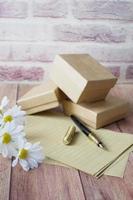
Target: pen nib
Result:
[100, 145]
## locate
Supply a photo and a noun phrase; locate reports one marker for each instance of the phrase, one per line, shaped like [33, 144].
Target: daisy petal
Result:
[4, 102]
[27, 145]
[24, 164]
[15, 161]
[21, 142]
[33, 163]
[4, 151]
[11, 150]
[19, 129]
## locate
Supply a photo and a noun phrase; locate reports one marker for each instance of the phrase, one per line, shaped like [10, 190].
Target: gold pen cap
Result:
[69, 135]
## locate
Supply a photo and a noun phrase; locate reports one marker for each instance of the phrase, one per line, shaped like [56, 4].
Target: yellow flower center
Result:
[6, 138]
[23, 153]
[8, 118]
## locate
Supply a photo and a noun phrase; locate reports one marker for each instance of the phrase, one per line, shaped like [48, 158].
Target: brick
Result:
[97, 33]
[20, 52]
[41, 53]
[23, 31]
[104, 9]
[13, 9]
[109, 53]
[46, 53]
[4, 51]
[33, 52]
[115, 71]
[129, 72]
[49, 8]
[21, 73]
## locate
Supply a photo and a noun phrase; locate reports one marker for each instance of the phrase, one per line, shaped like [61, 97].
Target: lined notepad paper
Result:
[82, 154]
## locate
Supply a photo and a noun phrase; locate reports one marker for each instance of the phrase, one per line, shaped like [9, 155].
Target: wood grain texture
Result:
[83, 75]
[40, 98]
[23, 89]
[100, 113]
[113, 188]
[5, 164]
[127, 126]
[47, 182]
[101, 189]
[59, 183]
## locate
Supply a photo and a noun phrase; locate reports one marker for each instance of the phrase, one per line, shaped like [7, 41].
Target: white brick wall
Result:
[32, 32]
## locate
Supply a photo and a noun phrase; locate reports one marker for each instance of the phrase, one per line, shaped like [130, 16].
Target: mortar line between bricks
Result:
[12, 62]
[56, 21]
[66, 43]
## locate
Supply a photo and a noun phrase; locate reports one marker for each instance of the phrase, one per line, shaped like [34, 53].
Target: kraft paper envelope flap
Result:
[49, 128]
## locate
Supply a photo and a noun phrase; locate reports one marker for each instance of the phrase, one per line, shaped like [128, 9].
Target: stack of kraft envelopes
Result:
[81, 86]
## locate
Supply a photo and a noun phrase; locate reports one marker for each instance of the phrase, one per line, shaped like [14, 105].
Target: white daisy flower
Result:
[4, 105]
[29, 155]
[9, 136]
[15, 114]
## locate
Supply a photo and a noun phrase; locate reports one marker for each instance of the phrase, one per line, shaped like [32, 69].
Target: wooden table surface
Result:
[60, 183]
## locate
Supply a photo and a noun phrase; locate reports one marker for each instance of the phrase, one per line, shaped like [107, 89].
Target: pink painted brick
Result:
[23, 31]
[97, 33]
[4, 52]
[129, 72]
[46, 53]
[20, 52]
[41, 53]
[21, 73]
[49, 8]
[109, 53]
[104, 9]
[115, 71]
[13, 9]
[33, 52]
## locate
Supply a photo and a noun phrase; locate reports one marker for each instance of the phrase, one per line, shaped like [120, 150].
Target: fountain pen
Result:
[87, 131]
